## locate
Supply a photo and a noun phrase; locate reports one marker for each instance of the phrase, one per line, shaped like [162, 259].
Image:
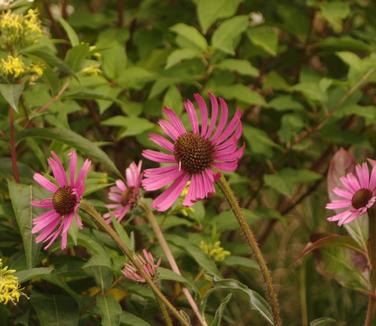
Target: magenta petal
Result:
[363, 175]
[121, 185]
[222, 120]
[189, 107]
[204, 113]
[165, 200]
[231, 128]
[80, 182]
[214, 115]
[175, 120]
[169, 130]
[159, 181]
[372, 182]
[342, 193]
[72, 167]
[336, 204]
[58, 170]
[226, 166]
[158, 156]
[44, 182]
[161, 141]
[44, 203]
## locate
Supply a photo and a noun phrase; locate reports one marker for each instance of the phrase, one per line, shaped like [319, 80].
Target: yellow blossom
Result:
[12, 67]
[32, 22]
[36, 71]
[11, 22]
[10, 288]
[215, 250]
[92, 70]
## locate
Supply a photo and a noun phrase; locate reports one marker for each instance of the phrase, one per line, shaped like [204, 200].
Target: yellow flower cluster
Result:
[10, 288]
[215, 250]
[19, 30]
[13, 67]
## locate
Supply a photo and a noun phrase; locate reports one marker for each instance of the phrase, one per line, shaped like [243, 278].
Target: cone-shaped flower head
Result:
[125, 194]
[63, 202]
[149, 265]
[194, 155]
[356, 194]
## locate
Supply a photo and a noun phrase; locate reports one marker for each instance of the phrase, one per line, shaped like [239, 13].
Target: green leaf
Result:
[242, 67]
[122, 233]
[21, 197]
[312, 90]
[323, 321]
[28, 274]
[264, 37]
[179, 55]
[195, 252]
[335, 12]
[259, 141]
[76, 56]
[127, 318]
[114, 60]
[224, 36]
[55, 310]
[232, 261]
[173, 99]
[169, 275]
[109, 310]
[256, 301]
[241, 93]
[191, 34]
[217, 321]
[285, 180]
[132, 125]
[291, 124]
[135, 77]
[73, 38]
[285, 103]
[70, 138]
[209, 11]
[12, 94]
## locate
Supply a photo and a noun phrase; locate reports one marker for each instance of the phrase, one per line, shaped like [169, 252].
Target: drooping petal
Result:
[156, 182]
[214, 115]
[158, 156]
[165, 200]
[80, 182]
[58, 170]
[336, 204]
[72, 167]
[169, 130]
[175, 121]
[44, 182]
[222, 120]
[44, 203]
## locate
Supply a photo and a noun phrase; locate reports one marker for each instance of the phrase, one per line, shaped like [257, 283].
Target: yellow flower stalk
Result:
[215, 250]
[10, 288]
[32, 22]
[10, 22]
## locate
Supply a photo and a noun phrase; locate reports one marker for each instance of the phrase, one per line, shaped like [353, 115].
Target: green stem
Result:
[106, 227]
[170, 258]
[251, 240]
[372, 261]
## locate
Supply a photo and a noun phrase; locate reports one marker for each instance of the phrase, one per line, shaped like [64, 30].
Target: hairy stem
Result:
[12, 143]
[124, 248]
[251, 240]
[372, 261]
[171, 260]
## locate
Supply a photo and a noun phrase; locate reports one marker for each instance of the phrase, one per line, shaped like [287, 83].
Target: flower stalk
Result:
[170, 258]
[131, 256]
[251, 240]
[372, 261]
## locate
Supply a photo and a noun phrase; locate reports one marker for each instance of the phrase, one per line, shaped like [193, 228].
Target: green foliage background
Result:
[302, 72]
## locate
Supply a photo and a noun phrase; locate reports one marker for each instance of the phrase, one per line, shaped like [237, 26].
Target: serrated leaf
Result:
[265, 37]
[209, 11]
[242, 67]
[70, 138]
[179, 55]
[191, 34]
[285, 180]
[241, 93]
[224, 36]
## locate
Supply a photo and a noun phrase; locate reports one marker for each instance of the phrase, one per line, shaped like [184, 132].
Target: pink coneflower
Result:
[147, 262]
[64, 203]
[195, 155]
[125, 195]
[356, 194]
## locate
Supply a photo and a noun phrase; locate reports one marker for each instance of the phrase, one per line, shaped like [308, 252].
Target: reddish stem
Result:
[12, 144]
